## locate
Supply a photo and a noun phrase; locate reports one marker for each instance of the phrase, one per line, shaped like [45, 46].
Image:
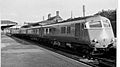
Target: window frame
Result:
[109, 25]
[68, 29]
[63, 30]
[87, 24]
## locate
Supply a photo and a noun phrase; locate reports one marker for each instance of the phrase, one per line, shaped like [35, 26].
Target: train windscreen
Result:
[95, 24]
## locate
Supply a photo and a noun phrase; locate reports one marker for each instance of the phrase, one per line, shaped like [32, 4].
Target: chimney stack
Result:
[57, 13]
[49, 15]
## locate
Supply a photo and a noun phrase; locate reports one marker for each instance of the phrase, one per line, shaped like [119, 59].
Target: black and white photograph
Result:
[59, 33]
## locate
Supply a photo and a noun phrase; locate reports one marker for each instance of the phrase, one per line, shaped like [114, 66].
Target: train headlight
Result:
[95, 41]
[112, 40]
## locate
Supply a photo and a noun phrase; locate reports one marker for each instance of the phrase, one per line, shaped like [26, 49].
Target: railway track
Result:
[106, 62]
[97, 61]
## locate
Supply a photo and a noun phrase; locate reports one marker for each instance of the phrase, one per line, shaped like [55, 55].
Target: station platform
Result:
[16, 53]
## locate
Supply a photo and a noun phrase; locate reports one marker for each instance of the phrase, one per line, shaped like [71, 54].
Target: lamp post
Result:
[41, 29]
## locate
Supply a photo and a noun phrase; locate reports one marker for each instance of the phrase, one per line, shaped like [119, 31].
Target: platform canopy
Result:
[16, 26]
[7, 24]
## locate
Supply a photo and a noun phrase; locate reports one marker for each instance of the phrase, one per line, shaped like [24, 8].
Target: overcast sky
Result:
[33, 10]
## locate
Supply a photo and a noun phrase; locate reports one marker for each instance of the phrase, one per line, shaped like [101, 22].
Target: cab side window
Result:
[46, 31]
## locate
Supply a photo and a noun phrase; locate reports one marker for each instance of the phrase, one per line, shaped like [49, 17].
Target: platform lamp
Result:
[41, 28]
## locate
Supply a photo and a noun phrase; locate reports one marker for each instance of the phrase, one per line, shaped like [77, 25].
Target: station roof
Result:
[16, 26]
[8, 22]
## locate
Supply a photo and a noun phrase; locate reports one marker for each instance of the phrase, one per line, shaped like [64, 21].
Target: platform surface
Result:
[17, 53]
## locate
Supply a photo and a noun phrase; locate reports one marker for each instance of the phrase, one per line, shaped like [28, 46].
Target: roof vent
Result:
[57, 13]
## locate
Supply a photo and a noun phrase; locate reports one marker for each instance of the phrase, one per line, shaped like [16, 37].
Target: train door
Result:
[79, 32]
[40, 31]
[77, 29]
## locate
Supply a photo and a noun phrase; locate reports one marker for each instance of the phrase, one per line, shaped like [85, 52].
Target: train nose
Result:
[105, 42]
[101, 43]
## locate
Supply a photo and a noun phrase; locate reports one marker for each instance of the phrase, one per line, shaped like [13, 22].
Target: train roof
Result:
[78, 18]
[75, 19]
[66, 21]
[43, 23]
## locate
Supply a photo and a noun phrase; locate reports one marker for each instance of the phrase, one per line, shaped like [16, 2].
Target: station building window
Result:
[48, 30]
[45, 31]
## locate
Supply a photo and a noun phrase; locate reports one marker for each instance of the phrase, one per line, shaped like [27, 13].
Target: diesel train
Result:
[90, 34]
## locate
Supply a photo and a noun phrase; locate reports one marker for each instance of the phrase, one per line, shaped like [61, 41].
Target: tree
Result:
[110, 14]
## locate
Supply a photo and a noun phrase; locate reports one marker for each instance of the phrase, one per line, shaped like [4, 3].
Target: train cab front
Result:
[100, 34]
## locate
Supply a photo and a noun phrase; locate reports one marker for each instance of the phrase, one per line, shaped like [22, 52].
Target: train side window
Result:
[45, 30]
[48, 30]
[63, 29]
[34, 31]
[68, 30]
[27, 31]
[52, 30]
[37, 31]
[30, 31]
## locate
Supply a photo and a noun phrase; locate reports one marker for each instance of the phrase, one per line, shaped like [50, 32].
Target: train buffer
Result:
[19, 53]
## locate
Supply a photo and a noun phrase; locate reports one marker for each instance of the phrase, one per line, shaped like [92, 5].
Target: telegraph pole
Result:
[71, 15]
[83, 10]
